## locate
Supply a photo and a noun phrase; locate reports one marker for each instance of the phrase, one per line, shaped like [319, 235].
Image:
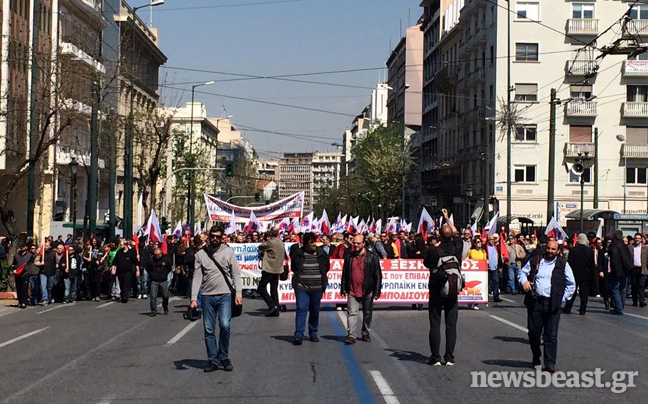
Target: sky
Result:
[205, 38]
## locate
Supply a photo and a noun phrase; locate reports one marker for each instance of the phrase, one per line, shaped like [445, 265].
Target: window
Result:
[639, 12]
[528, 11]
[527, 133]
[575, 179]
[583, 11]
[636, 135]
[525, 173]
[526, 92]
[580, 92]
[635, 175]
[525, 52]
[637, 94]
[492, 54]
[580, 134]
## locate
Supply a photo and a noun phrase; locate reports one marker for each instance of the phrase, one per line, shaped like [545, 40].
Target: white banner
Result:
[220, 211]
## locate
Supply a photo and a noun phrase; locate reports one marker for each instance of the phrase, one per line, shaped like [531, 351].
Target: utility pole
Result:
[403, 176]
[509, 122]
[552, 154]
[94, 160]
[596, 168]
[486, 176]
[33, 122]
[112, 177]
[128, 152]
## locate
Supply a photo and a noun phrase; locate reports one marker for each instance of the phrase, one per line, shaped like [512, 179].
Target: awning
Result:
[478, 212]
[592, 214]
[520, 219]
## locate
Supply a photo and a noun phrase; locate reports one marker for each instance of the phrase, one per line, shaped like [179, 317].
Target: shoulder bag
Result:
[237, 310]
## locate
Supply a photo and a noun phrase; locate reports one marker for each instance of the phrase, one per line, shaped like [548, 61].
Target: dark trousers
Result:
[494, 277]
[22, 288]
[543, 319]
[583, 291]
[604, 288]
[638, 285]
[157, 287]
[125, 285]
[272, 298]
[95, 283]
[451, 309]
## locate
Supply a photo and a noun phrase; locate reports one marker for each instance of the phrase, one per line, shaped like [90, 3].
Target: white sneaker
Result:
[139, 296]
[475, 307]
[144, 296]
[449, 364]
[438, 364]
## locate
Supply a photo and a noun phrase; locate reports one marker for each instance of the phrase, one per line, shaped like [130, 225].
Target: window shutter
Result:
[580, 134]
[526, 88]
[636, 135]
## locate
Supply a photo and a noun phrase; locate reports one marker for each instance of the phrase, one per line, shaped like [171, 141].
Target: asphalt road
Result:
[114, 353]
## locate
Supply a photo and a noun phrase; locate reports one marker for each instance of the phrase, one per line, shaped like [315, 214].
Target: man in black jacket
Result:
[581, 261]
[122, 266]
[450, 246]
[620, 266]
[47, 262]
[361, 281]
[158, 268]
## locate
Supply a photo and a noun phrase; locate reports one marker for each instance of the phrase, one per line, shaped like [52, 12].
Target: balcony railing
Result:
[635, 68]
[580, 67]
[447, 75]
[68, 48]
[574, 149]
[635, 110]
[638, 27]
[65, 152]
[582, 26]
[636, 151]
[580, 109]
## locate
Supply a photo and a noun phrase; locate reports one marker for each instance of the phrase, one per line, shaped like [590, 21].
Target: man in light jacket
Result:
[272, 254]
[216, 296]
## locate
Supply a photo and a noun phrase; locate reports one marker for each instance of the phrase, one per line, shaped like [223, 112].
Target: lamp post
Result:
[182, 201]
[130, 128]
[469, 195]
[192, 185]
[73, 169]
[621, 138]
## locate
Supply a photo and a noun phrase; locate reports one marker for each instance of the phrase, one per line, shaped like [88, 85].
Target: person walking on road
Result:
[122, 267]
[21, 261]
[310, 266]
[212, 264]
[548, 282]
[361, 284]
[159, 267]
[581, 261]
[620, 266]
[450, 247]
[272, 254]
[639, 252]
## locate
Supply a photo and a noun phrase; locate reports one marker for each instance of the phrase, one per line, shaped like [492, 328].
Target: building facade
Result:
[326, 172]
[296, 175]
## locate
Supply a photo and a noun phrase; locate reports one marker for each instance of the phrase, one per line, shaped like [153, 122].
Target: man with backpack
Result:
[548, 281]
[446, 281]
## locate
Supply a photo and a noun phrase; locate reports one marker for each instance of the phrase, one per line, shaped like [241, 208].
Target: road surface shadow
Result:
[257, 313]
[508, 363]
[338, 338]
[521, 340]
[409, 356]
[285, 338]
[185, 364]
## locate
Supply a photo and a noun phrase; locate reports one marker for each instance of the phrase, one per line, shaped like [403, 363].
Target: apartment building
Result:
[296, 175]
[466, 70]
[326, 172]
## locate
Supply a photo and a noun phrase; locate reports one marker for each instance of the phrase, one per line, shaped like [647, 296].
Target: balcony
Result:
[580, 68]
[635, 110]
[446, 77]
[634, 151]
[477, 77]
[65, 152]
[580, 109]
[68, 48]
[574, 149]
[638, 27]
[582, 26]
[635, 68]
[77, 107]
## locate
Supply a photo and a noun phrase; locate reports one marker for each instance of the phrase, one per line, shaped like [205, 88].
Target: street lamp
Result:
[469, 195]
[73, 169]
[190, 190]
[128, 155]
[621, 138]
[182, 202]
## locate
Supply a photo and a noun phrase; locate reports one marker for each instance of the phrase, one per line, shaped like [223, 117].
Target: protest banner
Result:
[221, 211]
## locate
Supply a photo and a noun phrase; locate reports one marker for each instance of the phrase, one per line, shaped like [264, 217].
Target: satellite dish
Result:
[620, 138]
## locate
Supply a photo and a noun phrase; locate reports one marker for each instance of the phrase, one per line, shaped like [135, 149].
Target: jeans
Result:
[115, 287]
[70, 289]
[512, 276]
[46, 284]
[308, 303]
[583, 291]
[618, 292]
[221, 305]
[125, 282]
[353, 305]
[272, 298]
[22, 288]
[35, 285]
[494, 278]
[638, 286]
[451, 311]
[543, 320]
[142, 282]
[159, 287]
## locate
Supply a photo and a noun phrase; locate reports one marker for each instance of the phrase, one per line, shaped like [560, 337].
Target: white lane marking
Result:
[383, 386]
[56, 372]
[106, 400]
[635, 315]
[181, 333]
[29, 334]
[507, 300]
[500, 319]
[57, 307]
[105, 304]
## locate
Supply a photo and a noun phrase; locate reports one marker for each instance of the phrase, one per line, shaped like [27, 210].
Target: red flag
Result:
[164, 246]
[136, 241]
[575, 238]
[483, 236]
[504, 249]
[535, 234]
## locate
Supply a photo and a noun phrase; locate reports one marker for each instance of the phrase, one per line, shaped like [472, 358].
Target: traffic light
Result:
[164, 224]
[229, 170]
[257, 197]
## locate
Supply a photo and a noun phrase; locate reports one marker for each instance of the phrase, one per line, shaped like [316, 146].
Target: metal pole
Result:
[508, 120]
[552, 155]
[74, 207]
[582, 184]
[94, 160]
[596, 168]
[190, 208]
[403, 176]
[33, 123]
[128, 155]
[625, 183]
[486, 176]
[112, 179]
